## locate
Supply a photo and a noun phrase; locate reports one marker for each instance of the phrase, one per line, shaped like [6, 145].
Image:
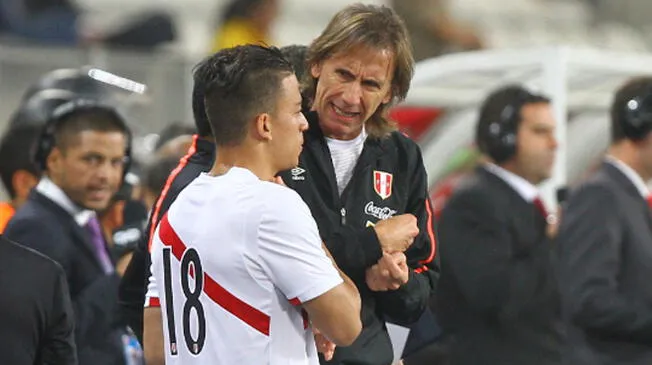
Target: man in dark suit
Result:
[82, 152]
[35, 310]
[605, 244]
[498, 298]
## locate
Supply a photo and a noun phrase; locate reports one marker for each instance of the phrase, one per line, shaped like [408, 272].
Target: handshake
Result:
[395, 235]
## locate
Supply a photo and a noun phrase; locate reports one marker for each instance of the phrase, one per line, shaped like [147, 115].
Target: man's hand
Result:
[389, 273]
[397, 233]
[324, 345]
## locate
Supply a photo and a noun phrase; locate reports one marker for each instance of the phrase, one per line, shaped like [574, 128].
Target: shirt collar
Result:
[53, 192]
[632, 175]
[523, 187]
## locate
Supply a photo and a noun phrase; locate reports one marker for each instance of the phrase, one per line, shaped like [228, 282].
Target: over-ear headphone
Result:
[499, 120]
[47, 142]
[636, 116]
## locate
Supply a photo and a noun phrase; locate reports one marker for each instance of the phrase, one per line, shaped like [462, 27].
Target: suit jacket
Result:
[605, 256]
[35, 312]
[498, 297]
[46, 227]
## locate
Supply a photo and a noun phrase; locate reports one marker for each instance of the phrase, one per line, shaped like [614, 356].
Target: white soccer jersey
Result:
[232, 260]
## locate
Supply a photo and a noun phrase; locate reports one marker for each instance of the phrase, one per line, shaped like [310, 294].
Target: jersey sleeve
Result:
[152, 294]
[290, 249]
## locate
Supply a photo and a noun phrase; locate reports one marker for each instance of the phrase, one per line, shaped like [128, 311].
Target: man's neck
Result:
[244, 158]
[627, 154]
[513, 168]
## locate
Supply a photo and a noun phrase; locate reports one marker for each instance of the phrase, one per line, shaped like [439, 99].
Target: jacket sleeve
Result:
[133, 285]
[95, 305]
[59, 342]
[405, 305]
[131, 294]
[590, 246]
[476, 245]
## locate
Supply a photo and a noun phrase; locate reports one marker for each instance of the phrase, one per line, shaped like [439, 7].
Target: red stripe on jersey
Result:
[431, 236]
[306, 319]
[164, 192]
[153, 302]
[246, 313]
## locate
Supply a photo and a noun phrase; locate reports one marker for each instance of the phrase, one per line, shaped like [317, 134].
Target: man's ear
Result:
[23, 181]
[263, 126]
[315, 70]
[54, 161]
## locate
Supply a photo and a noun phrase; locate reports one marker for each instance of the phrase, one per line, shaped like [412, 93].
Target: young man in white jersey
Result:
[238, 265]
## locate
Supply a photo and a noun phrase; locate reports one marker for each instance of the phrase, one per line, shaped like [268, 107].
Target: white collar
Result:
[632, 175]
[359, 140]
[523, 187]
[53, 192]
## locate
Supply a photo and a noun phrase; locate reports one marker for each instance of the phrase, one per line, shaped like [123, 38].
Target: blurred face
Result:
[351, 86]
[536, 143]
[265, 13]
[89, 170]
[287, 125]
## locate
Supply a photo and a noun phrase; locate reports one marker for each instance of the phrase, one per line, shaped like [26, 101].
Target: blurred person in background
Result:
[82, 153]
[246, 22]
[498, 298]
[365, 182]
[18, 171]
[59, 22]
[174, 140]
[51, 21]
[604, 248]
[155, 177]
[172, 131]
[433, 30]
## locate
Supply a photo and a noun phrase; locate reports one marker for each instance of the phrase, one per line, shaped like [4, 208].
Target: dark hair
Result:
[16, 151]
[241, 82]
[377, 27]
[172, 131]
[157, 172]
[238, 9]
[296, 54]
[98, 120]
[502, 108]
[202, 124]
[622, 124]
